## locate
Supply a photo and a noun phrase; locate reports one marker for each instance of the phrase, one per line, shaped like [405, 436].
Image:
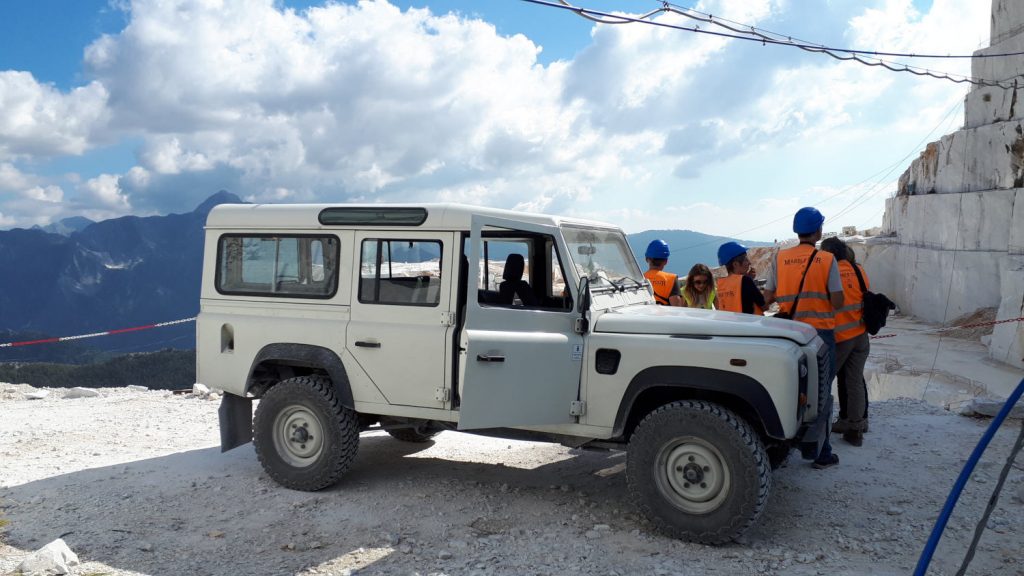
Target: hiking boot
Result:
[843, 426]
[854, 438]
[826, 463]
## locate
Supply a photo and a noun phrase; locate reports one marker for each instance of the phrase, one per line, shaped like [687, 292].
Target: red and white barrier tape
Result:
[95, 334]
[950, 328]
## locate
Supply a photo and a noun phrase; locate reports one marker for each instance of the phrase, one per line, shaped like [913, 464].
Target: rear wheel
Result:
[304, 437]
[698, 471]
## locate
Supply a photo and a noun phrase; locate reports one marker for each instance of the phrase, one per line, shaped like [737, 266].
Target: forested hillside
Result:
[162, 370]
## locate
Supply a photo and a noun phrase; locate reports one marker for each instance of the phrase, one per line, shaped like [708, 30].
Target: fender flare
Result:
[740, 386]
[310, 356]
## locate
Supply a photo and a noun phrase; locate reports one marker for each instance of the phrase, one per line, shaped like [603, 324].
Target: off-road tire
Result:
[307, 402]
[414, 434]
[691, 439]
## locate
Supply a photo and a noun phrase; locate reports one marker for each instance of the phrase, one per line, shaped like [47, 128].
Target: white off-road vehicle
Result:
[419, 319]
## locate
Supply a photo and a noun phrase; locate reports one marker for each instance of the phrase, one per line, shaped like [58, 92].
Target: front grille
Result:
[824, 383]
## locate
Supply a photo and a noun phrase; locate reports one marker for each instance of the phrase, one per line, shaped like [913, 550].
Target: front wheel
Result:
[304, 437]
[698, 471]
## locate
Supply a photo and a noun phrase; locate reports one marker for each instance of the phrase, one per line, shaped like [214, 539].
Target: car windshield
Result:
[603, 256]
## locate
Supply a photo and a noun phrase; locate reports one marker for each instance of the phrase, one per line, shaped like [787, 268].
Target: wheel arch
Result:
[282, 360]
[659, 385]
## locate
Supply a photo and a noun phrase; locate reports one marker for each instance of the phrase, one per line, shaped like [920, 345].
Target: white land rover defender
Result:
[418, 319]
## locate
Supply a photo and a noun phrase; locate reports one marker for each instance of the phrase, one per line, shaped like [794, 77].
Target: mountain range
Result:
[119, 273]
[686, 246]
[80, 277]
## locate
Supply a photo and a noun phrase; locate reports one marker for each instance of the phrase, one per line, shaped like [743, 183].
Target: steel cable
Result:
[754, 35]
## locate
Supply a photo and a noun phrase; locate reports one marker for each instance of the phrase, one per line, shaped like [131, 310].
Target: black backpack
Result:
[876, 306]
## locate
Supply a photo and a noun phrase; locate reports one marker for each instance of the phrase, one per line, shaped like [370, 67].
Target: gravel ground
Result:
[135, 484]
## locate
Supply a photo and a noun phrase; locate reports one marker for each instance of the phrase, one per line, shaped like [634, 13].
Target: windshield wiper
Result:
[621, 283]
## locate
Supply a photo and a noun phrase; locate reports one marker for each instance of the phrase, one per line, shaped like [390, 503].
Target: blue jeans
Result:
[829, 336]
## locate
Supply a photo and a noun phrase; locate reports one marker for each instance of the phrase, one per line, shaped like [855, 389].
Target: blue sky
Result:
[149, 106]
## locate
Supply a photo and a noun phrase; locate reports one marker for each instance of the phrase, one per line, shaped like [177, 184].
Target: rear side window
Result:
[293, 266]
[400, 272]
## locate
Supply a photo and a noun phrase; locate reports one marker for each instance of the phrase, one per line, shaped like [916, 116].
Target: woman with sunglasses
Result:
[699, 291]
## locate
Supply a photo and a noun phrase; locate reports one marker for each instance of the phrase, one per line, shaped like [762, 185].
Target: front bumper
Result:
[813, 436]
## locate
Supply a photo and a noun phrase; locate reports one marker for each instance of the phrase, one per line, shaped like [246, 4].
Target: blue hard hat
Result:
[728, 251]
[807, 220]
[657, 249]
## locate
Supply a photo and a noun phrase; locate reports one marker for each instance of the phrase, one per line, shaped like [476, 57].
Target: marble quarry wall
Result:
[953, 236]
[943, 256]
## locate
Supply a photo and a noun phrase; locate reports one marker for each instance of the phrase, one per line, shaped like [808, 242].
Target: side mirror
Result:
[584, 295]
[582, 324]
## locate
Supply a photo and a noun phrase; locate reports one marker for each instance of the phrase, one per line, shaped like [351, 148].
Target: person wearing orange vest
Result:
[737, 292]
[666, 288]
[852, 346]
[815, 288]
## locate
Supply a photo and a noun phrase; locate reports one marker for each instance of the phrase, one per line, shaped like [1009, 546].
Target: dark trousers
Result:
[829, 336]
[851, 356]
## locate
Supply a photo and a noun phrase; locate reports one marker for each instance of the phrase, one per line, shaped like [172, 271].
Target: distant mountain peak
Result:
[221, 197]
[67, 226]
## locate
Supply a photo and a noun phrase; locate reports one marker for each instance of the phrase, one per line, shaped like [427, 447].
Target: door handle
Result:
[365, 344]
[488, 358]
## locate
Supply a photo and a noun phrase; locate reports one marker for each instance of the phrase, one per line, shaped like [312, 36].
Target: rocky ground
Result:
[134, 483]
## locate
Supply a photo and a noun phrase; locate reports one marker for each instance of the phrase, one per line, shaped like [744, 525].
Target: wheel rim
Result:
[298, 436]
[692, 475]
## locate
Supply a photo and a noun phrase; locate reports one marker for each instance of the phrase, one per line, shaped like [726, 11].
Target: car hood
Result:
[652, 319]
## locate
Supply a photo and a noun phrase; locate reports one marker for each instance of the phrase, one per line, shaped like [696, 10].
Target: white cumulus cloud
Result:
[369, 102]
[37, 120]
[105, 192]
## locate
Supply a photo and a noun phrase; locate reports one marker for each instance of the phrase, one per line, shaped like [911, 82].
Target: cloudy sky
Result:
[114, 107]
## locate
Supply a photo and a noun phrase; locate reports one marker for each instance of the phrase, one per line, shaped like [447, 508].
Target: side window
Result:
[521, 272]
[497, 254]
[290, 266]
[400, 272]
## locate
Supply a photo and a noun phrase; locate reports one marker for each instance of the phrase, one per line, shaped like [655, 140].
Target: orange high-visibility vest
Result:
[814, 307]
[850, 318]
[662, 283]
[730, 295]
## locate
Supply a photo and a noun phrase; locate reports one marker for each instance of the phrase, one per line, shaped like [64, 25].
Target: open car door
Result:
[521, 361]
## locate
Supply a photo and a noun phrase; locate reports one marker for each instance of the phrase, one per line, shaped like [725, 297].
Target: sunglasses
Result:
[697, 282]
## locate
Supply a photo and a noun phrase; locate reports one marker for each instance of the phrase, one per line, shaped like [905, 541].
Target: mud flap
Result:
[235, 421]
[815, 434]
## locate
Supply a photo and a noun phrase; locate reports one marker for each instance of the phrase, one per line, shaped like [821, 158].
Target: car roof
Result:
[439, 216]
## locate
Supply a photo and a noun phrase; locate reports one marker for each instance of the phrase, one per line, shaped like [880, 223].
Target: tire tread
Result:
[739, 523]
[340, 453]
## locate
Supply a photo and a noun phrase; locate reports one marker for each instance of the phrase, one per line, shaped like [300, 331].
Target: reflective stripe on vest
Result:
[814, 307]
[662, 283]
[804, 294]
[730, 295]
[850, 318]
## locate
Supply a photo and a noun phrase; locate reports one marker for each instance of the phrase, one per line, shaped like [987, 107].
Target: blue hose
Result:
[965, 474]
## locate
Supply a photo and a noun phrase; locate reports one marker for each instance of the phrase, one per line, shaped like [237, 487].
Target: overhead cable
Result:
[879, 186]
[750, 33]
[884, 172]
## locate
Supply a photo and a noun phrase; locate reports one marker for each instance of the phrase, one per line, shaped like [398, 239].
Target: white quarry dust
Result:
[135, 483]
